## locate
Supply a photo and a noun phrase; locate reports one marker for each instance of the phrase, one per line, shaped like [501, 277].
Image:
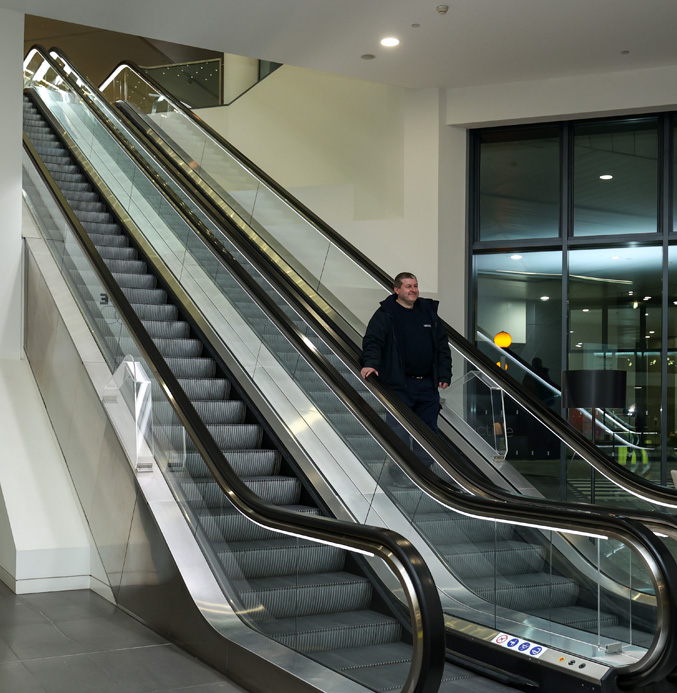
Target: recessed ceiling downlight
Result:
[606, 176]
[390, 41]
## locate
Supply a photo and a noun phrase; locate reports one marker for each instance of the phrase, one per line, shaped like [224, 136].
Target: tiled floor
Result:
[77, 642]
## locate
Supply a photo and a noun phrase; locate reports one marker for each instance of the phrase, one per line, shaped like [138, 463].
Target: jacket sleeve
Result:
[443, 354]
[374, 341]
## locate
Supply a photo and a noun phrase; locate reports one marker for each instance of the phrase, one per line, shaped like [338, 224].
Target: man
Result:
[406, 346]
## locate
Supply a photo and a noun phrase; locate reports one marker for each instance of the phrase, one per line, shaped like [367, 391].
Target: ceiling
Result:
[477, 42]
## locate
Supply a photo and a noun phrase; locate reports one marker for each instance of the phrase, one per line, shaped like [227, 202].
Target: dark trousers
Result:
[423, 398]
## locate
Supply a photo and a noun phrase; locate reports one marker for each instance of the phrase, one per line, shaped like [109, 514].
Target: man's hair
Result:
[397, 282]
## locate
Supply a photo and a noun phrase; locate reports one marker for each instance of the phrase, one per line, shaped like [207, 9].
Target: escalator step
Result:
[484, 559]
[302, 595]
[526, 592]
[280, 555]
[228, 525]
[333, 631]
[248, 463]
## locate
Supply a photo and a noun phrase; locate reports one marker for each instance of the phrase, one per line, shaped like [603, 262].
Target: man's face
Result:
[407, 293]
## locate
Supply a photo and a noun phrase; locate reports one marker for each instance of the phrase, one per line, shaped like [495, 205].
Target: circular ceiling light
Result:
[515, 257]
[368, 56]
[390, 42]
[606, 176]
[545, 298]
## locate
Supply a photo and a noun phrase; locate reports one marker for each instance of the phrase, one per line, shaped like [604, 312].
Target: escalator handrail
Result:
[432, 486]
[590, 453]
[396, 551]
[474, 484]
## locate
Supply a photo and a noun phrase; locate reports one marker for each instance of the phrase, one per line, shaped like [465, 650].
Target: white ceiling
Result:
[477, 42]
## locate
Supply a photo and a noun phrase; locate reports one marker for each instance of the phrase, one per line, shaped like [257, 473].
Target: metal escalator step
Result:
[111, 240]
[333, 631]
[197, 367]
[118, 253]
[300, 595]
[90, 207]
[82, 196]
[179, 348]
[97, 229]
[379, 668]
[230, 411]
[148, 311]
[279, 555]
[94, 217]
[163, 329]
[228, 436]
[227, 525]
[527, 592]
[448, 528]
[490, 558]
[135, 281]
[243, 462]
[205, 388]
[148, 296]
[131, 267]
[578, 617]
[279, 490]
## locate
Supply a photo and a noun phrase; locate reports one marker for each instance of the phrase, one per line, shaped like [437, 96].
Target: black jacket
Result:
[381, 348]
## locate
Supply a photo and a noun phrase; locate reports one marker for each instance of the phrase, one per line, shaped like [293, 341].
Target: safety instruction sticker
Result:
[519, 645]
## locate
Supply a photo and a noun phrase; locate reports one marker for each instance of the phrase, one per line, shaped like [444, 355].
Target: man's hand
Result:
[366, 372]
[442, 386]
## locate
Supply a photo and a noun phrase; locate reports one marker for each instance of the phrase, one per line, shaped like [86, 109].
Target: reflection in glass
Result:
[615, 323]
[616, 178]
[519, 184]
[521, 294]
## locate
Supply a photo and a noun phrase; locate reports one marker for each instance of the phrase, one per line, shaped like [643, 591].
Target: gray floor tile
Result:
[76, 642]
[70, 606]
[16, 678]
[156, 668]
[115, 632]
[41, 640]
[73, 674]
[6, 653]
[208, 688]
[18, 613]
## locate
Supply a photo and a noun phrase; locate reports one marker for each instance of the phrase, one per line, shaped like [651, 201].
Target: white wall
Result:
[363, 156]
[11, 58]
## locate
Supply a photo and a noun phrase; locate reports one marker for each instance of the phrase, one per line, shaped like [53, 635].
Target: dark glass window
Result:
[615, 322]
[616, 178]
[521, 293]
[519, 184]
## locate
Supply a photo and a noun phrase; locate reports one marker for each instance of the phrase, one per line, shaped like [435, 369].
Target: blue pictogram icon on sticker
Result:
[536, 650]
[513, 642]
[524, 646]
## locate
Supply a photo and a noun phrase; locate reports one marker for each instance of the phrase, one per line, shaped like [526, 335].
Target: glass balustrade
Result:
[474, 571]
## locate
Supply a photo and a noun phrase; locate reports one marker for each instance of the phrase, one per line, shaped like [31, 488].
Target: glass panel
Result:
[671, 384]
[519, 184]
[615, 324]
[357, 592]
[481, 581]
[196, 84]
[521, 294]
[616, 178]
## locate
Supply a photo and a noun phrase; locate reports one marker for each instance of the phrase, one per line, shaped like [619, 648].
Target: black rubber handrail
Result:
[399, 554]
[602, 463]
[469, 478]
[535, 516]
[321, 528]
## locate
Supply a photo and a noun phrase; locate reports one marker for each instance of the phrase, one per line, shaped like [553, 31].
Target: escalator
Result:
[456, 536]
[488, 415]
